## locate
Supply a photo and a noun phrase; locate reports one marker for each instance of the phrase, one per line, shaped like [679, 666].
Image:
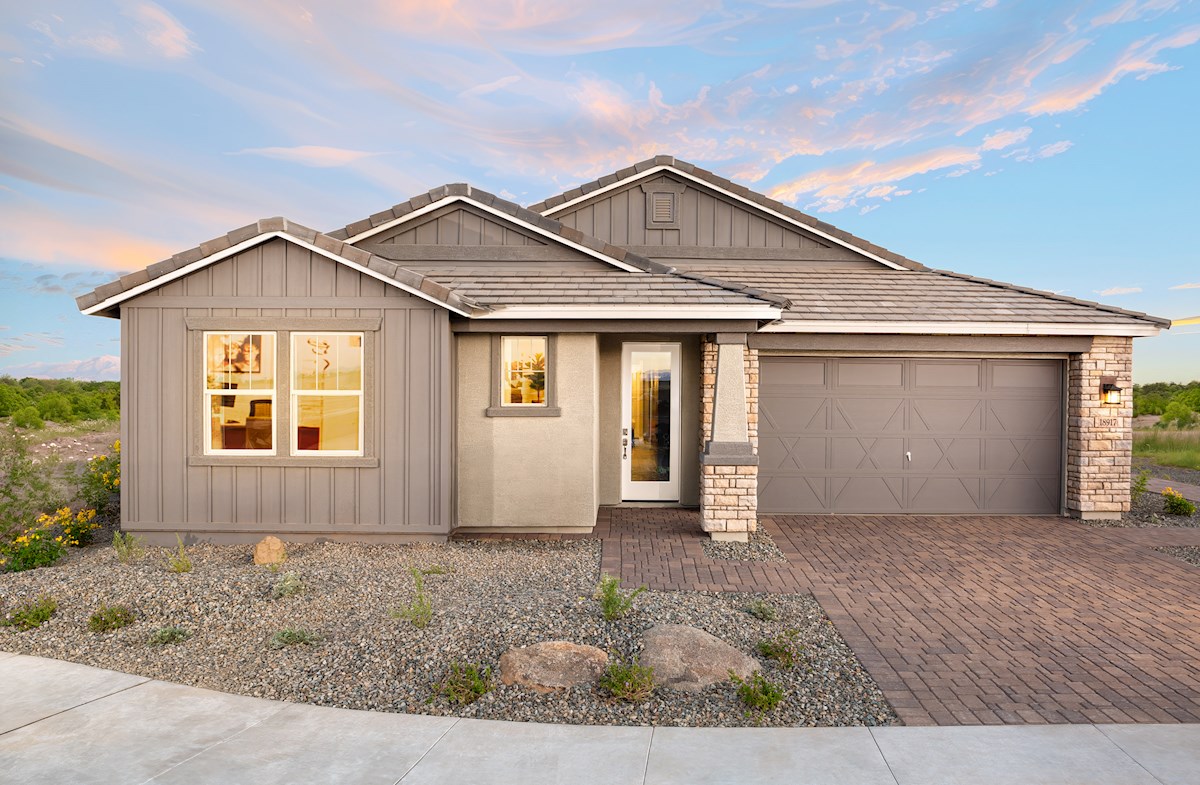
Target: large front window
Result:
[239, 392]
[523, 370]
[327, 393]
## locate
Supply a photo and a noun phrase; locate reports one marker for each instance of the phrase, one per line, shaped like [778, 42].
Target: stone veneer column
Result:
[729, 435]
[1099, 436]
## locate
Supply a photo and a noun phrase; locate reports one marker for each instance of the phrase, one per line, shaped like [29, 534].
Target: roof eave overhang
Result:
[107, 307]
[732, 312]
[962, 328]
[438, 204]
[552, 211]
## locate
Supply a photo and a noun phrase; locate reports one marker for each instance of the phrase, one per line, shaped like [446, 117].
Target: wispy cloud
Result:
[103, 368]
[839, 187]
[1193, 285]
[1116, 290]
[310, 155]
[1045, 151]
[1002, 139]
[163, 32]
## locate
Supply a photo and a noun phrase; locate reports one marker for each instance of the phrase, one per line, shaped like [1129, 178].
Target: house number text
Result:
[1107, 422]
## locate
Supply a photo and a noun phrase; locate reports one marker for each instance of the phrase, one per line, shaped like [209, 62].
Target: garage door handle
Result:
[908, 456]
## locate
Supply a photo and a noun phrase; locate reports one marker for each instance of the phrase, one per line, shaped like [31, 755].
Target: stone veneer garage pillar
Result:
[729, 435]
[1099, 435]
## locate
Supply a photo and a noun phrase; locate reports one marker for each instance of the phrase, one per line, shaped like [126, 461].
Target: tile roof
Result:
[280, 226]
[736, 188]
[913, 296]
[498, 288]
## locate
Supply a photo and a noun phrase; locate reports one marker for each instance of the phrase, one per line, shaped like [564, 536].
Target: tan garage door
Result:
[867, 435]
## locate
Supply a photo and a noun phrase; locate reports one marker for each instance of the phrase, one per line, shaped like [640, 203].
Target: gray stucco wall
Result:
[610, 415]
[527, 473]
[399, 490]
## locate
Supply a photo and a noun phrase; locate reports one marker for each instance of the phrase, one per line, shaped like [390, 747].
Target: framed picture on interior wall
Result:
[235, 353]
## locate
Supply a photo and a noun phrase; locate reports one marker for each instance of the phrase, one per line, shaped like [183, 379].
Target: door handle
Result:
[624, 449]
[908, 456]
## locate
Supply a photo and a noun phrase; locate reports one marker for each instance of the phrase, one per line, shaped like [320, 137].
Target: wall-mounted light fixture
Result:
[1110, 393]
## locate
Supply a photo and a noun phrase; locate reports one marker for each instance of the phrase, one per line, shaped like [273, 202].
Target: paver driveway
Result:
[965, 620]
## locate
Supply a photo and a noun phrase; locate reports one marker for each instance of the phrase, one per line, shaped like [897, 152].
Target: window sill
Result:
[532, 411]
[295, 461]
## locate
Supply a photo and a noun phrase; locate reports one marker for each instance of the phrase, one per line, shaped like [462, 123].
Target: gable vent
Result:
[662, 208]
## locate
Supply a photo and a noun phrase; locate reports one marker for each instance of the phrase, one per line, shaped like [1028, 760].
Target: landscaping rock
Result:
[552, 665]
[270, 550]
[688, 659]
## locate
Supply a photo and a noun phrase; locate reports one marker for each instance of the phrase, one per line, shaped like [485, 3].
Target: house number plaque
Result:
[1108, 422]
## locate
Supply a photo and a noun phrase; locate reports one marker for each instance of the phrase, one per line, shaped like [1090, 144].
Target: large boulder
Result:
[552, 665]
[688, 659]
[270, 550]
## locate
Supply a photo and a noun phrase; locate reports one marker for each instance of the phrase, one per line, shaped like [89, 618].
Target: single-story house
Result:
[460, 364]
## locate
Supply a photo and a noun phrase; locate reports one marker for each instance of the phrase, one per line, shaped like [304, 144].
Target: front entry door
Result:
[650, 422]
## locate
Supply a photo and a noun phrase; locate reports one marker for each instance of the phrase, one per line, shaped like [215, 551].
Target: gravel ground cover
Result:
[1189, 553]
[492, 595]
[1169, 473]
[761, 547]
[1147, 510]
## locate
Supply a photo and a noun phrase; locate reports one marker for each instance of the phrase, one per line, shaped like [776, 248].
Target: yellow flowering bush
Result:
[77, 528]
[100, 483]
[37, 546]
[1175, 503]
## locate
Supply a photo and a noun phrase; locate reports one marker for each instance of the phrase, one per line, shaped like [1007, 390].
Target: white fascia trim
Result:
[961, 328]
[439, 204]
[759, 313]
[704, 183]
[245, 245]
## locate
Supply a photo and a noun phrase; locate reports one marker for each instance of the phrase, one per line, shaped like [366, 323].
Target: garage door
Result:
[868, 435]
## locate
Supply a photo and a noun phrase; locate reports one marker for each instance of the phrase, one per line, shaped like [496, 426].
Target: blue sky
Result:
[1047, 143]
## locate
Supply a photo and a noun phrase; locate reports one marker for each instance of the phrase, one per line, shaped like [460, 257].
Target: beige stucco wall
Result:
[610, 416]
[527, 473]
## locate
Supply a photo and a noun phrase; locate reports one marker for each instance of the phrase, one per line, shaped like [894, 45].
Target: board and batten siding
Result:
[402, 494]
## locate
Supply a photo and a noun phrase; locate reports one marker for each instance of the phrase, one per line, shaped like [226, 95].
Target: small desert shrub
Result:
[435, 569]
[757, 693]
[111, 617]
[30, 615]
[1138, 486]
[165, 636]
[628, 681]
[783, 649]
[128, 547]
[28, 488]
[28, 417]
[614, 603]
[289, 584]
[1175, 504]
[292, 636]
[35, 548]
[762, 610]
[464, 683]
[178, 560]
[420, 610]
[100, 483]
[77, 528]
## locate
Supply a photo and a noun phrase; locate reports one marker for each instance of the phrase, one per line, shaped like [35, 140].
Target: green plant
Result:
[292, 636]
[289, 584]
[1175, 504]
[614, 603]
[28, 417]
[436, 569]
[128, 547]
[35, 548]
[27, 489]
[757, 693]
[30, 615]
[100, 483]
[629, 681]
[464, 683]
[1179, 413]
[56, 407]
[419, 610]
[178, 560]
[164, 636]
[78, 528]
[783, 649]
[111, 617]
[1138, 486]
[1168, 447]
[762, 610]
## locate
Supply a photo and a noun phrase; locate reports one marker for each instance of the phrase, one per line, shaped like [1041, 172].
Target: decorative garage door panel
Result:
[868, 435]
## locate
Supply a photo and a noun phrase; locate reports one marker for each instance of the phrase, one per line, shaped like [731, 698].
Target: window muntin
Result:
[327, 393]
[239, 392]
[523, 370]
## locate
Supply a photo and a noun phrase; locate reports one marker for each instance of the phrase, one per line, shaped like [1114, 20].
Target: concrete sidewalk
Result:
[1187, 491]
[67, 723]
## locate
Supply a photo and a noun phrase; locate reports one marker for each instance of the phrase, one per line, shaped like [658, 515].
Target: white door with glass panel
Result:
[650, 422]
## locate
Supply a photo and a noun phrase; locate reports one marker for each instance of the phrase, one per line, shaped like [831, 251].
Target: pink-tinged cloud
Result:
[1002, 139]
[1132, 10]
[309, 155]
[1116, 290]
[105, 368]
[163, 32]
[1195, 285]
[1137, 59]
[1045, 151]
[37, 235]
[841, 184]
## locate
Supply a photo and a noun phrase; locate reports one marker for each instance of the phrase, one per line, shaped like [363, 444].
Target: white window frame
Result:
[295, 394]
[505, 372]
[209, 394]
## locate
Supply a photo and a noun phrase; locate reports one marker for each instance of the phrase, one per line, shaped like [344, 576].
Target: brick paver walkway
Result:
[966, 620]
